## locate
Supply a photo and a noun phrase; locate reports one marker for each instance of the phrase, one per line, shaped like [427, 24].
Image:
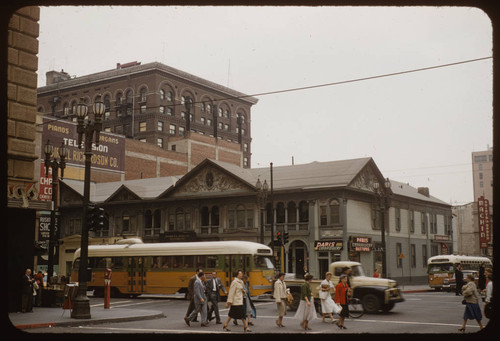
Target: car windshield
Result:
[357, 270]
[435, 268]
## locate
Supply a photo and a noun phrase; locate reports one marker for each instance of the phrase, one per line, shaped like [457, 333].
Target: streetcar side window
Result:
[211, 262]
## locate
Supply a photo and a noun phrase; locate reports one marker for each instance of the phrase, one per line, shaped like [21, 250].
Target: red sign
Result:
[45, 184]
[483, 207]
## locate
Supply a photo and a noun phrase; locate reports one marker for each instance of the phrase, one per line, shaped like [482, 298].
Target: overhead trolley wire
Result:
[328, 84]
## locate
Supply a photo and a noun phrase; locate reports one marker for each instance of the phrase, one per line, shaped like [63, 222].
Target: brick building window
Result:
[143, 94]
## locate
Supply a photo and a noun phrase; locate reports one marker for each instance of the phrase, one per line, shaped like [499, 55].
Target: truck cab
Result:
[374, 293]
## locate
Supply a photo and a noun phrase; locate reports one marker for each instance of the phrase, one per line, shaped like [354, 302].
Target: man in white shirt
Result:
[214, 285]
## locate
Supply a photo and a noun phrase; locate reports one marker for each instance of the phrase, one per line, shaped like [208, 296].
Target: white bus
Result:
[441, 269]
[165, 268]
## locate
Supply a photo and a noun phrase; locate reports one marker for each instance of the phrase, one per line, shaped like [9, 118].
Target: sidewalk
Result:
[49, 317]
[46, 317]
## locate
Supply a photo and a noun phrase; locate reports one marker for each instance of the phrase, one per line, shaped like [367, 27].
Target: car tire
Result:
[371, 303]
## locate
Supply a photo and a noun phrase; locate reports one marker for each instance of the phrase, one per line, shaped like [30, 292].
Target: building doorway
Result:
[297, 255]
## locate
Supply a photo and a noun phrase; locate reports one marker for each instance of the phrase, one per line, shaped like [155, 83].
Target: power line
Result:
[329, 84]
[363, 79]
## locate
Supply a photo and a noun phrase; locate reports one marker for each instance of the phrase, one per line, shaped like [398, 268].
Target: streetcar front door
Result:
[136, 275]
[233, 264]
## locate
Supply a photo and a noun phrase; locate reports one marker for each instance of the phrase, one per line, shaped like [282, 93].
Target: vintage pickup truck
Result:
[374, 293]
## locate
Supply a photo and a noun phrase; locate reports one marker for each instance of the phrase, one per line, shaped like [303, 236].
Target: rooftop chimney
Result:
[52, 77]
[424, 191]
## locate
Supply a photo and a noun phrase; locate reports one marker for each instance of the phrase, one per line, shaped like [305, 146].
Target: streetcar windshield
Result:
[263, 262]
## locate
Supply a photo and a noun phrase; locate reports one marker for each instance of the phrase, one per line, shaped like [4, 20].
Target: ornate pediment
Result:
[364, 179]
[211, 180]
[123, 194]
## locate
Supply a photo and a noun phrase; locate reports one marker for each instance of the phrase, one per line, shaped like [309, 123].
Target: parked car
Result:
[449, 284]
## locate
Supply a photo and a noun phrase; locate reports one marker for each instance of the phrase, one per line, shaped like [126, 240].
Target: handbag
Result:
[337, 308]
[323, 294]
[488, 310]
[35, 285]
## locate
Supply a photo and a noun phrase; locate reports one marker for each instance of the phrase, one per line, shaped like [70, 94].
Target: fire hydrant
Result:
[107, 286]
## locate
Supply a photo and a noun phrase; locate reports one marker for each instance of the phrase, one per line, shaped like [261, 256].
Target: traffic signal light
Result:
[90, 217]
[278, 237]
[96, 219]
[285, 237]
[99, 218]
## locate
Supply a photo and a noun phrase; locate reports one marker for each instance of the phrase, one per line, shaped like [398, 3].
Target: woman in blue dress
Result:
[472, 310]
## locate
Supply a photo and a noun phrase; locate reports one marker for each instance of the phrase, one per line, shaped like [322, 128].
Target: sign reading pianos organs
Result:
[108, 156]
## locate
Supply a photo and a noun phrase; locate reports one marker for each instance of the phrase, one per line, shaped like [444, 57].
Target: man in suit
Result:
[189, 295]
[214, 285]
[200, 301]
[459, 280]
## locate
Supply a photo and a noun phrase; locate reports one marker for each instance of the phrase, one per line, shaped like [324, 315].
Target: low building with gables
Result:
[328, 210]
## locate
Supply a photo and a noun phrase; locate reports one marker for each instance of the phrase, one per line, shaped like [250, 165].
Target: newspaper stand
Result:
[69, 295]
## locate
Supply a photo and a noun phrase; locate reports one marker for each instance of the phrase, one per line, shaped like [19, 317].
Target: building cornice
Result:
[102, 76]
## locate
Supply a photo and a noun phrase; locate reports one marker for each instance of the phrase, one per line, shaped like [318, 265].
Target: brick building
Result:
[118, 158]
[150, 103]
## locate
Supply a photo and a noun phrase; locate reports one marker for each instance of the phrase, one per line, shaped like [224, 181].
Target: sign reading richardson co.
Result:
[108, 156]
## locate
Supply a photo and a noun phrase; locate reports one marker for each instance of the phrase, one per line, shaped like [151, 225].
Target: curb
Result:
[90, 321]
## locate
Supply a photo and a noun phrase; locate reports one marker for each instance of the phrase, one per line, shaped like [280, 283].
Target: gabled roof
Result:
[405, 190]
[355, 173]
[313, 175]
[142, 188]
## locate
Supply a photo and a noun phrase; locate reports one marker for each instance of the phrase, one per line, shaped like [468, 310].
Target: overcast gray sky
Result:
[420, 128]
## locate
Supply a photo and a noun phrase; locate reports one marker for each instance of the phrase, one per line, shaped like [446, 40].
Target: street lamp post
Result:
[54, 165]
[261, 202]
[382, 195]
[81, 304]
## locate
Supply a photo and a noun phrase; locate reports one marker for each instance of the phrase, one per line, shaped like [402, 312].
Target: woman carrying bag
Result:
[325, 291]
[471, 301]
[341, 297]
